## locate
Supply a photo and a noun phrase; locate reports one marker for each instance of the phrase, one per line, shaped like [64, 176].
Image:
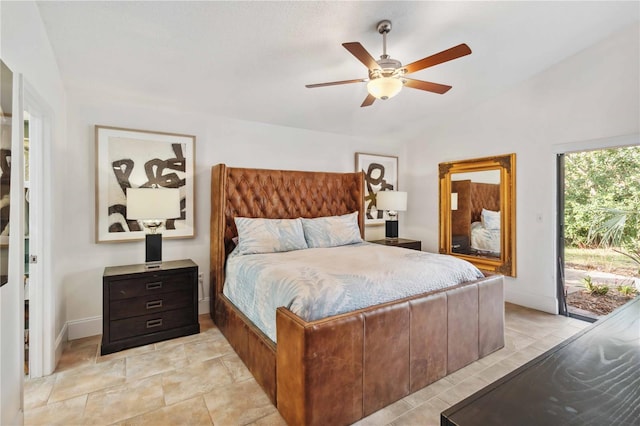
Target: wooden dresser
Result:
[591, 378]
[142, 306]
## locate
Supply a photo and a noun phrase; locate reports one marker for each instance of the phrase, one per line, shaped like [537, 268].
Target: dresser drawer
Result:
[152, 323]
[150, 304]
[141, 305]
[148, 285]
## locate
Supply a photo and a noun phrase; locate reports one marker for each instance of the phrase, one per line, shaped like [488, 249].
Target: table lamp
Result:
[393, 202]
[454, 201]
[153, 206]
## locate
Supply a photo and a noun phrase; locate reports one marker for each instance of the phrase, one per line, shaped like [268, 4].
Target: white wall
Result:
[218, 140]
[593, 94]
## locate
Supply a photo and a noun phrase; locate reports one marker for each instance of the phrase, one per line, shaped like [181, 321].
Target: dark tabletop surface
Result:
[592, 378]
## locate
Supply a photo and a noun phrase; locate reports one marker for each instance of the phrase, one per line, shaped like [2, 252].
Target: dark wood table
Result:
[592, 378]
[400, 242]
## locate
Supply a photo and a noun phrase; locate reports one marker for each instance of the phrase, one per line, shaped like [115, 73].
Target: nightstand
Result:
[142, 306]
[400, 242]
[460, 244]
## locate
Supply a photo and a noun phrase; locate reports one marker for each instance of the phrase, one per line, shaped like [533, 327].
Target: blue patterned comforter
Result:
[320, 282]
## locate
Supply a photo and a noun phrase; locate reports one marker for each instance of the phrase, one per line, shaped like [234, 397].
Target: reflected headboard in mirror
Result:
[478, 212]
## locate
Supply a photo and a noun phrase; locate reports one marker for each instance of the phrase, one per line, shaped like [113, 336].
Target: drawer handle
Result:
[154, 304]
[154, 323]
[154, 285]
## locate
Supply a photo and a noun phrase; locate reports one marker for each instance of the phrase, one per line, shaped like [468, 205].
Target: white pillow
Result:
[490, 219]
[269, 235]
[332, 231]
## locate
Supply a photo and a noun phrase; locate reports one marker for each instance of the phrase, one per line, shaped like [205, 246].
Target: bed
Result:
[485, 234]
[475, 223]
[338, 369]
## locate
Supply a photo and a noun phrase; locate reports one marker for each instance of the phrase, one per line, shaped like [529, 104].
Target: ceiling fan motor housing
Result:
[389, 67]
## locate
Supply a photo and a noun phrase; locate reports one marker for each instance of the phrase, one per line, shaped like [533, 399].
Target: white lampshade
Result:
[454, 201]
[384, 87]
[153, 203]
[391, 200]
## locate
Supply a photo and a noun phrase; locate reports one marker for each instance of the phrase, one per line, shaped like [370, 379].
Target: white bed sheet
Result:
[321, 282]
[485, 240]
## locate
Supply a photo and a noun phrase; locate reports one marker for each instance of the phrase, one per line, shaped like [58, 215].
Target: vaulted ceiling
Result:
[251, 60]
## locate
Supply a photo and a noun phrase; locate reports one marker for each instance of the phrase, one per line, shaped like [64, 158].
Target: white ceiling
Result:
[251, 60]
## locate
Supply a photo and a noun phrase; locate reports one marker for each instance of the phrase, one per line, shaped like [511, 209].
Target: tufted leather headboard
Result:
[484, 195]
[472, 198]
[274, 194]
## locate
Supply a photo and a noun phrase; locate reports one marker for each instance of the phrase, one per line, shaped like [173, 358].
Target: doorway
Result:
[598, 230]
[39, 347]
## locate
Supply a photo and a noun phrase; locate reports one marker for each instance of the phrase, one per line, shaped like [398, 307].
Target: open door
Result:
[12, 251]
[562, 295]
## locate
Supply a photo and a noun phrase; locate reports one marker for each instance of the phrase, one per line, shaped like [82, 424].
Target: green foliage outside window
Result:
[602, 198]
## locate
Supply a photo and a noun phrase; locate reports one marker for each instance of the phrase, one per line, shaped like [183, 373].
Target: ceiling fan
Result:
[387, 76]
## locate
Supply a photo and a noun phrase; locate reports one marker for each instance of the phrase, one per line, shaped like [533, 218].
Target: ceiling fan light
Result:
[384, 87]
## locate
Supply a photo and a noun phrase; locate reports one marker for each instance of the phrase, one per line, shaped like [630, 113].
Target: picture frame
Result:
[380, 174]
[131, 158]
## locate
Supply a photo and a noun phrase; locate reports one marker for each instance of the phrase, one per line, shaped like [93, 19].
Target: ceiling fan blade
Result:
[444, 56]
[357, 50]
[368, 100]
[335, 83]
[426, 85]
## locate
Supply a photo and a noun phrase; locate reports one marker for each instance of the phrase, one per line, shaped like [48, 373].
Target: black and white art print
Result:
[128, 158]
[380, 174]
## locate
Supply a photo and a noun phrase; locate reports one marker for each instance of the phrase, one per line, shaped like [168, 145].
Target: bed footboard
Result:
[343, 368]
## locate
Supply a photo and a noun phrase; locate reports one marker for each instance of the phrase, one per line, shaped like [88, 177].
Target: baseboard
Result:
[61, 339]
[19, 419]
[533, 301]
[203, 306]
[84, 327]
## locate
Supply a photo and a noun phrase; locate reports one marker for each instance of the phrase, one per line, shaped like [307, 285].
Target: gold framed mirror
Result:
[478, 212]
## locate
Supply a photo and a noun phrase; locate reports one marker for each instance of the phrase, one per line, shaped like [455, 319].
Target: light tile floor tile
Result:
[427, 414]
[155, 362]
[236, 367]
[86, 379]
[385, 415]
[196, 379]
[67, 412]
[428, 392]
[199, 380]
[125, 353]
[82, 355]
[208, 349]
[238, 404]
[122, 402]
[274, 419]
[37, 391]
[463, 389]
[190, 412]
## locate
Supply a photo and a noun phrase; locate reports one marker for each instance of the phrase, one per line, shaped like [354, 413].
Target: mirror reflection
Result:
[475, 213]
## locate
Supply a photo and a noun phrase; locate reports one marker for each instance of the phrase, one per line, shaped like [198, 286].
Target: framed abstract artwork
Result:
[128, 158]
[380, 174]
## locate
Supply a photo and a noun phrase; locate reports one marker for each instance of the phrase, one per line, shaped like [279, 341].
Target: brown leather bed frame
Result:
[342, 368]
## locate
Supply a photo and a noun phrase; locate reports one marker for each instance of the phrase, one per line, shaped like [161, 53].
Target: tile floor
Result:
[199, 380]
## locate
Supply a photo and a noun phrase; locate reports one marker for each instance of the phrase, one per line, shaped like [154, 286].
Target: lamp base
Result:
[391, 229]
[153, 250]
